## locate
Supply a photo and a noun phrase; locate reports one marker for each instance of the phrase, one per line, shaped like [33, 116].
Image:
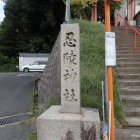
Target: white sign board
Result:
[110, 49]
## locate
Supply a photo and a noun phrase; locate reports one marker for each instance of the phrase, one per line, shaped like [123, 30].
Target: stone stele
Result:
[70, 68]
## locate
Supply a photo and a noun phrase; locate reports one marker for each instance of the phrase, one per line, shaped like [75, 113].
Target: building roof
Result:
[34, 54]
[136, 15]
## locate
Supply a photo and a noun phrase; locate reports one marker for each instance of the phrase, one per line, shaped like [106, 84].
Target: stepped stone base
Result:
[53, 125]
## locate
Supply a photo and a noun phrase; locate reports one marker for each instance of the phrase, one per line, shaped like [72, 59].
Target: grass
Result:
[117, 104]
[34, 104]
[92, 63]
[33, 136]
[93, 68]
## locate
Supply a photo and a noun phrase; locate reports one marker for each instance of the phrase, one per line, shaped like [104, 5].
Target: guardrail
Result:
[136, 32]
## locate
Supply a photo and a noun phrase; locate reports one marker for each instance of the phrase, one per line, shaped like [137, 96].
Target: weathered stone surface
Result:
[127, 134]
[70, 68]
[49, 87]
[54, 125]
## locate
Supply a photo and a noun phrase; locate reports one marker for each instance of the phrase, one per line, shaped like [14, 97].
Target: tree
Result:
[31, 25]
[82, 8]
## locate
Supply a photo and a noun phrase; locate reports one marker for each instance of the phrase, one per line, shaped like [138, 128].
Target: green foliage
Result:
[33, 136]
[34, 103]
[52, 102]
[117, 103]
[92, 63]
[30, 26]
[83, 8]
[92, 68]
[7, 64]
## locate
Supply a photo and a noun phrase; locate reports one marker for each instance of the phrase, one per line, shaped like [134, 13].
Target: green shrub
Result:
[8, 64]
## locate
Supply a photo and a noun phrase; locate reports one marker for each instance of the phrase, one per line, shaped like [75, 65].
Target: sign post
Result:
[110, 61]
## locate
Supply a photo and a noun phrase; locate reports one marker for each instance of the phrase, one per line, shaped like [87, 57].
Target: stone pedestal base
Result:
[53, 125]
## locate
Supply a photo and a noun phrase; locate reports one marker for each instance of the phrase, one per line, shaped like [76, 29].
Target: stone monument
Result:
[70, 72]
[69, 121]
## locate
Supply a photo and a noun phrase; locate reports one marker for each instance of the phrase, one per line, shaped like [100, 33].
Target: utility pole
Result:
[67, 13]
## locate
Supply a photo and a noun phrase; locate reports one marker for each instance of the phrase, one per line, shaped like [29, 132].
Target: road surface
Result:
[16, 92]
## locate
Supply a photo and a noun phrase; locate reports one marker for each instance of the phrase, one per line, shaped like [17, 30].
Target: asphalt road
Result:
[16, 92]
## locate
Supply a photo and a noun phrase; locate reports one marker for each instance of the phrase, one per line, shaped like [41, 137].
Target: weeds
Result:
[33, 136]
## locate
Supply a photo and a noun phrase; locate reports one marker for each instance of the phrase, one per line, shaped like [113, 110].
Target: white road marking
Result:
[26, 74]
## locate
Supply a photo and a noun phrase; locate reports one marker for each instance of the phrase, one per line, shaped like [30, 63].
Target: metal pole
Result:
[126, 32]
[110, 119]
[95, 13]
[103, 102]
[109, 71]
[135, 40]
[67, 13]
[106, 89]
[127, 9]
[131, 9]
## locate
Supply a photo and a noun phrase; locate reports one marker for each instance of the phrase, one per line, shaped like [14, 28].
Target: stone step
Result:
[133, 121]
[129, 83]
[128, 134]
[124, 48]
[128, 64]
[125, 44]
[128, 60]
[128, 70]
[128, 51]
[129, 76]
[130, 91]
[131, 111]
[133, 55]
[130, 100]
[125, 41]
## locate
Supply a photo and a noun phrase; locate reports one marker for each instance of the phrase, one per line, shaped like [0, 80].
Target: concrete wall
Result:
[122, 12]
[50, 82]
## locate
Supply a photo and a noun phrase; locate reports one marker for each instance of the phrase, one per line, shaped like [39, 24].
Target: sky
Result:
[1, 11]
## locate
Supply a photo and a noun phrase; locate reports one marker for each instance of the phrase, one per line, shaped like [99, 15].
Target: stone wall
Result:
[50, 82]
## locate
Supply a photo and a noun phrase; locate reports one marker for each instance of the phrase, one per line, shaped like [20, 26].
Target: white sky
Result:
[1, 11]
